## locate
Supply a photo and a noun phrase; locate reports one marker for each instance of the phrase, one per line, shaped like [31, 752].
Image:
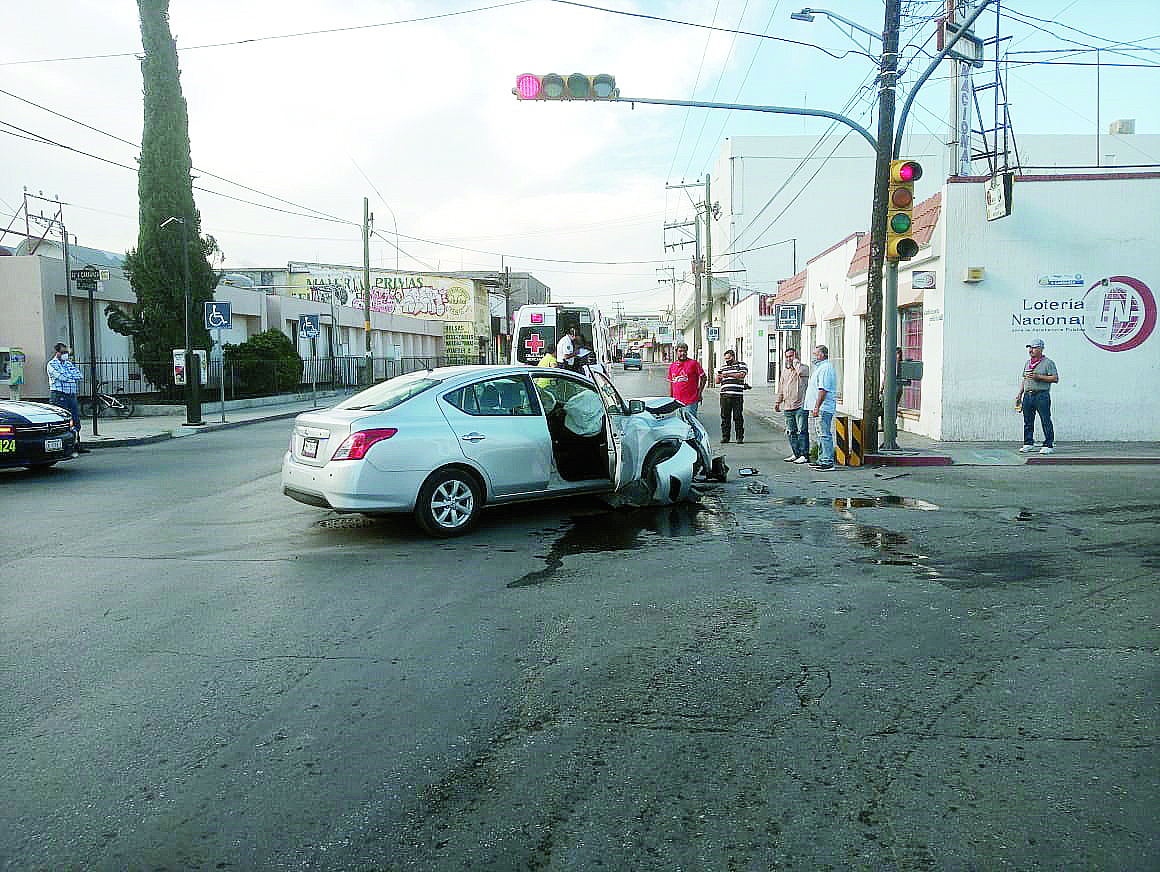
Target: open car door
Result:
[620, 466]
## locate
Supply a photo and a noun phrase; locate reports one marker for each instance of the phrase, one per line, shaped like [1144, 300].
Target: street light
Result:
[192, 369]
[808, 14]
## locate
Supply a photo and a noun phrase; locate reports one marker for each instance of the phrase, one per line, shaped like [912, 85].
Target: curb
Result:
[164, 437]
[1088, 461]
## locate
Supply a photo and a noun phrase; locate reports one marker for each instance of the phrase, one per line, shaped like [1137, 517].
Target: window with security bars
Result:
[836, 342]
[911, 345]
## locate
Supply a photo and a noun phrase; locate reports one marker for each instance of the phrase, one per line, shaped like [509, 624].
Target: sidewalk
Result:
[915, 450]
[157, 423]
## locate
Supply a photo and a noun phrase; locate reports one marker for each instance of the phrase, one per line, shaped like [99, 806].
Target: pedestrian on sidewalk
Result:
[791, 392]
[1034, 396]
[63, 379]
[686, 379]
[732, 379]
[820, 392]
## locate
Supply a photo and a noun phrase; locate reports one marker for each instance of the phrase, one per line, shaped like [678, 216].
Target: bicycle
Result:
[118, 404]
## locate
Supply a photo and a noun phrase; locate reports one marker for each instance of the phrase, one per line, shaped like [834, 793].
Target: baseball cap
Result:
[1035, 343]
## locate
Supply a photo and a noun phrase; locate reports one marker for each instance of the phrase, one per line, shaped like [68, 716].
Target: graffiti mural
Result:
[440, 298]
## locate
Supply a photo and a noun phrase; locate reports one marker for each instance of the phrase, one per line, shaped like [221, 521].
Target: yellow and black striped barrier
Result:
[849, 444]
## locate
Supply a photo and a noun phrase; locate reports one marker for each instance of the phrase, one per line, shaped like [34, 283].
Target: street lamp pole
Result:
[192, 367]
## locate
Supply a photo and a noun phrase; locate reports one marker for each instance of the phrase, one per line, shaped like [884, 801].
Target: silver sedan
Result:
[443, 443]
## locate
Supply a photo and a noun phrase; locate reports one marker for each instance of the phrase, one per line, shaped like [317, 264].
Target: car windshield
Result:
[391, 393]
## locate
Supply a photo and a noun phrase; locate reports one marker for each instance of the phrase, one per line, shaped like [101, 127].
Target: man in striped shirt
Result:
[731, 377]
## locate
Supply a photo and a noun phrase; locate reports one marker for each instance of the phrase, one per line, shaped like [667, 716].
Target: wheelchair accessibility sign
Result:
[218, 316]
[308, 326]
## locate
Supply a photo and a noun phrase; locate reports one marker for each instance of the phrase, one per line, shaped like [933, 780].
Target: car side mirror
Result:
[635, 407]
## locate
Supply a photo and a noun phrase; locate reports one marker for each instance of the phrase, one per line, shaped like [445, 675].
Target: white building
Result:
[1071, 264]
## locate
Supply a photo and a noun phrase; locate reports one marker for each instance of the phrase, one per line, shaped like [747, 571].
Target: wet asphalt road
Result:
[933, 669]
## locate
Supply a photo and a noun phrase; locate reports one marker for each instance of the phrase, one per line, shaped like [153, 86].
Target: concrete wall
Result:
[1077, 230]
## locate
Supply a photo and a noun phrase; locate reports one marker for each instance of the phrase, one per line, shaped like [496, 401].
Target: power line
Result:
[254, 39]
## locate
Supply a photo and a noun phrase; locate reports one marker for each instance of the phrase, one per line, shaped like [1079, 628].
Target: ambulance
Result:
[539, 326]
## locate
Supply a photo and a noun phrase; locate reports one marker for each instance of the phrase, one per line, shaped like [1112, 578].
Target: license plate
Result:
[53, 444]
[309, 447]
[7, 446]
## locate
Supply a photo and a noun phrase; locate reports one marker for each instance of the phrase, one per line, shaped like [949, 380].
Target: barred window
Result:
[835, 341]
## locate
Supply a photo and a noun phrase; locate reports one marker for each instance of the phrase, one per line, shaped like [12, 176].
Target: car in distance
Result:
[631, 360]
[35, 435]
[443, 443]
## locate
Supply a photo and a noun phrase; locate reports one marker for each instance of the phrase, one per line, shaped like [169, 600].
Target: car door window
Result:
[497, 397]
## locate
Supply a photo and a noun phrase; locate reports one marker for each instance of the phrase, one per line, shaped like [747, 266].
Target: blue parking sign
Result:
[308, 326]
[218, 315]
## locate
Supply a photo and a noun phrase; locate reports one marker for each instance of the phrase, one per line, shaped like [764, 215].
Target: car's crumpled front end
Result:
[669, 451]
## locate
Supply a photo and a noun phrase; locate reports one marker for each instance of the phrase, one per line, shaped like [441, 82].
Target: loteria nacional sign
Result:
[1117, 313]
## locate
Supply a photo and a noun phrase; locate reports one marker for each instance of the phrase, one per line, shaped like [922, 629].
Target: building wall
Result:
[1078, 230]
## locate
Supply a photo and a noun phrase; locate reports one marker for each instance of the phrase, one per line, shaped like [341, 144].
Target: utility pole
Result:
[875, 311]
[698, 269]
[709, 269]
[366, 240]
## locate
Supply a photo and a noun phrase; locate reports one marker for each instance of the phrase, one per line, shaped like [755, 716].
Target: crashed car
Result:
[443, 443]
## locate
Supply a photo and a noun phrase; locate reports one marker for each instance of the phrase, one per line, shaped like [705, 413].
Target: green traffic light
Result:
[900, 223]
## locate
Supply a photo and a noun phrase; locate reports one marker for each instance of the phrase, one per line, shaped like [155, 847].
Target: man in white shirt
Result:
[566, 349]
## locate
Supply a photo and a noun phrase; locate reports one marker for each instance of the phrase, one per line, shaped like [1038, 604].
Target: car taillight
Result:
[356, 445]
[7, 430]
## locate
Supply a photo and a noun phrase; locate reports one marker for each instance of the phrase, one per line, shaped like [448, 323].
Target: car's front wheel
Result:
[449, 503]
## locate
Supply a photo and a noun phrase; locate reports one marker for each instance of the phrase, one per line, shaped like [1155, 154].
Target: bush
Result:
[265, 364]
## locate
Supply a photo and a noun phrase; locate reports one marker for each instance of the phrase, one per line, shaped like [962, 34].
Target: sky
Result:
[299, 110]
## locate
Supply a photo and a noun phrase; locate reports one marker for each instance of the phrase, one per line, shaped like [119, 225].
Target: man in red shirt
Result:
[686, 379]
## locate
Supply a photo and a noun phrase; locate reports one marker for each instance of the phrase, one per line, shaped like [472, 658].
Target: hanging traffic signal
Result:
[900, 243]
[553, 86]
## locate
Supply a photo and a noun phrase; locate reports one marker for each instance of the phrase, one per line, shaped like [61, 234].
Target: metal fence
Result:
[252, 378]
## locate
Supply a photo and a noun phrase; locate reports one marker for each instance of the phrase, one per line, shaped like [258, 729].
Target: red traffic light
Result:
[905, 170]
[577, 86]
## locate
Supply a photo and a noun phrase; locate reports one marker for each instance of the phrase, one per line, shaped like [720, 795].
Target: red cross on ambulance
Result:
[534, 343]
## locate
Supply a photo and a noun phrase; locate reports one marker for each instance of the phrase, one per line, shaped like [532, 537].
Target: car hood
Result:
[31, 413]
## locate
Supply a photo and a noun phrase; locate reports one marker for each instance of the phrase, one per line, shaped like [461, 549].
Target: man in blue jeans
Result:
[63, 378]
[1039, 374]
[822, 394]
[791, 393]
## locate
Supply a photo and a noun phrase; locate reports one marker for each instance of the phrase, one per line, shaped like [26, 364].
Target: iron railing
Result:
[254, 378]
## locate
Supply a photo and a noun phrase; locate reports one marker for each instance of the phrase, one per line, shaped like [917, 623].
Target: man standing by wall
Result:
[63, 378]
[731, 377]
[686, 379]
[1034, 395]
[791, 392]
[821, 394]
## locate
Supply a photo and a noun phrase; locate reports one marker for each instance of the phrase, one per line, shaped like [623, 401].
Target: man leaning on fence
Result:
[63, 379]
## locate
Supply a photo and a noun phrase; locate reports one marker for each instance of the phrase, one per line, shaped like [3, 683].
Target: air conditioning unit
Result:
[1123, 125]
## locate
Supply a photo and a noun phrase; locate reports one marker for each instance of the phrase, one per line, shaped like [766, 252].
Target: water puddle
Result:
[626, 530]
[887, 501]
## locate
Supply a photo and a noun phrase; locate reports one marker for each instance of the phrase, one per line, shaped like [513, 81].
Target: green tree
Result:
[267, 363]
[165, 190]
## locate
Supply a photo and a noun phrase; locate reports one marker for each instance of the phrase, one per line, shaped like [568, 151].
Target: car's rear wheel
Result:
[449, 503]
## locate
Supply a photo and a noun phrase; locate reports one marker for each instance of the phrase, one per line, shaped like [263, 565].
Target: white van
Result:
[539, 327]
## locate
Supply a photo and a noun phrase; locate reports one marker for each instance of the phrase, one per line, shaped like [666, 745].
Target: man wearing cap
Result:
[1035, 396]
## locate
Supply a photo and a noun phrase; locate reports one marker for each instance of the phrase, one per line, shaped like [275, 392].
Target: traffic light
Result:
[553, 86]
[900, 244]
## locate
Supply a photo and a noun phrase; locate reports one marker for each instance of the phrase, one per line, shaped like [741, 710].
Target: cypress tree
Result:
[165, 190]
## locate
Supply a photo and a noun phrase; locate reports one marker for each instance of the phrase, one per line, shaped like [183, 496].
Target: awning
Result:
[811, 319]
[908, 294]
[835, 311]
